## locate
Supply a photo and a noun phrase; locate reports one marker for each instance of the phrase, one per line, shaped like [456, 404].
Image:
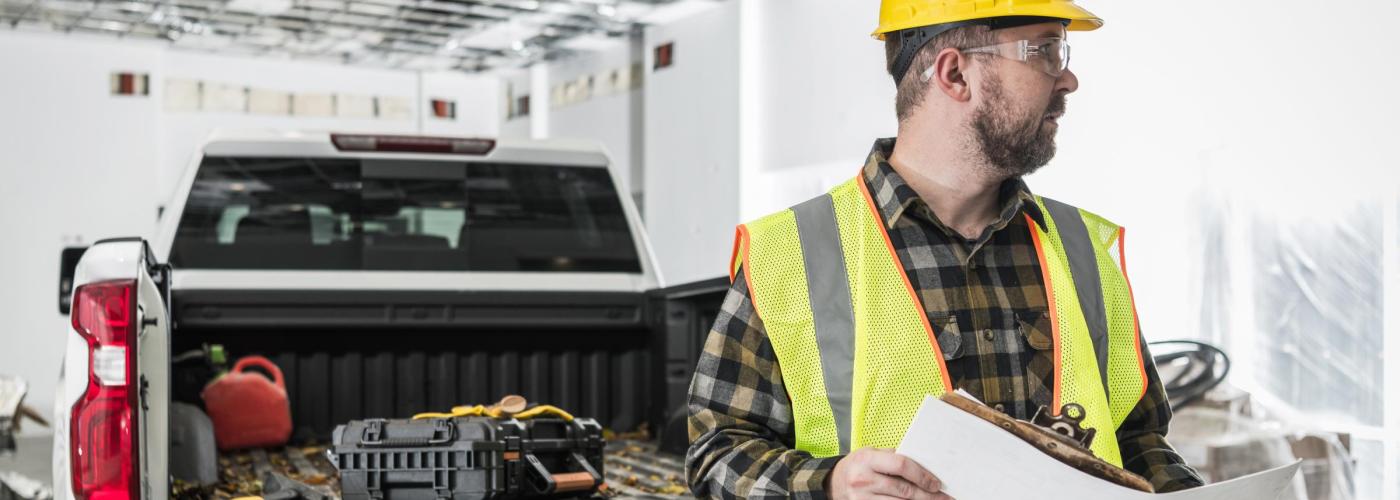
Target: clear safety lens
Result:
[1049, 55]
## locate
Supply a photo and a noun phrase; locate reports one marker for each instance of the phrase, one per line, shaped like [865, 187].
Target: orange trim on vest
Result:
[748, 277]
[1132, 302]
[741, 240]
[1054, 313]
[923, 314]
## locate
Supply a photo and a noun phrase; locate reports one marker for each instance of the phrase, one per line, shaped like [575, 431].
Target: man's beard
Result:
[1013, 144]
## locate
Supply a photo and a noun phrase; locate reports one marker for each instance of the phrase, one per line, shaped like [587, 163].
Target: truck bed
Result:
[624, 359]
[633, 468]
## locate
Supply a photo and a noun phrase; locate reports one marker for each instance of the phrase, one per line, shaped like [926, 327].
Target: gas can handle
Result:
[264, 363]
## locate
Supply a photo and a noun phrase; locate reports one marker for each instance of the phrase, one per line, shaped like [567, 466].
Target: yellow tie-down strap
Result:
[497, 412]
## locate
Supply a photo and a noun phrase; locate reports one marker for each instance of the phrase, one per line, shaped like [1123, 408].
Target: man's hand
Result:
[878, 473]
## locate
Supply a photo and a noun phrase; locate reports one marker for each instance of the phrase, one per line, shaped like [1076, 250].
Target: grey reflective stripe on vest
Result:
[1084, 268]
[830, 296]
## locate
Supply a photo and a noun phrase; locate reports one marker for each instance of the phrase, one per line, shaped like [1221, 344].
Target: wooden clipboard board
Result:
[1060, 446]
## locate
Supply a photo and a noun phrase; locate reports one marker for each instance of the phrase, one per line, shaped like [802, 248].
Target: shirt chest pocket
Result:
[1035, 329]
[949, 335]
[1031, 327]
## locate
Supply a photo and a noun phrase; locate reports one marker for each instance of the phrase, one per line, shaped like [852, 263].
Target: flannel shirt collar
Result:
[895, 199]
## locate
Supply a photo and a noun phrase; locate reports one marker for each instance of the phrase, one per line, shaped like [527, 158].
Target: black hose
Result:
[1199, 376]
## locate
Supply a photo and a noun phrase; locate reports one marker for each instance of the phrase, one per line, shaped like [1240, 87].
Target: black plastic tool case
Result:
[468, 458]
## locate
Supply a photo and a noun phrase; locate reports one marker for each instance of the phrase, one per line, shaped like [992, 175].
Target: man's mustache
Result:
[1057, 105]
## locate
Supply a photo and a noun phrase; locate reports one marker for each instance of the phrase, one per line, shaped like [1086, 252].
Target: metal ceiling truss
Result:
[417, 34]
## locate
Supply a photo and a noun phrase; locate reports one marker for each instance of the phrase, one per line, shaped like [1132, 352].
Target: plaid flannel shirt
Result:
[986, 300]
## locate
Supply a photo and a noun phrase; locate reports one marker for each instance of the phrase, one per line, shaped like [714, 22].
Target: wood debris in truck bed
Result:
[633, 469]
[239, 473]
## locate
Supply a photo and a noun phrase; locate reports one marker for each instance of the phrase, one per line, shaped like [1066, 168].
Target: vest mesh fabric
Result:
[897, 360]
[778, 283]
[1126, 375]
[1077, 377]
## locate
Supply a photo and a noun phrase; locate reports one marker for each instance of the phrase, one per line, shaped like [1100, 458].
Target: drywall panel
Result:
[691, 194]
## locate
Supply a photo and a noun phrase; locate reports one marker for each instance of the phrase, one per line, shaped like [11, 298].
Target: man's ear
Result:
[949, 76]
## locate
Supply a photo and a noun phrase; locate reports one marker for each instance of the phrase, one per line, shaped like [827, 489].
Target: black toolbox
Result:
[467, 458]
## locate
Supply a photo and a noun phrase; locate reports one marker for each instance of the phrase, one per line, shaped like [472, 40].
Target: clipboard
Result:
[1060, 437]
[977, 458]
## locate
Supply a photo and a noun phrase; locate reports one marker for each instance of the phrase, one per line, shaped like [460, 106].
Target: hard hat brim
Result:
[1079, 18]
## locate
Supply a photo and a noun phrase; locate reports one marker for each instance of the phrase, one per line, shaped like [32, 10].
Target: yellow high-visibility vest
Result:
[858, 353]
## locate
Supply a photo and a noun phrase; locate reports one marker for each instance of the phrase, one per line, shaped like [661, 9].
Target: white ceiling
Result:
[465, 35]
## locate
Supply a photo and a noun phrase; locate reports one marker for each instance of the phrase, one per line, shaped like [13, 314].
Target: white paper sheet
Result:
[976, 460]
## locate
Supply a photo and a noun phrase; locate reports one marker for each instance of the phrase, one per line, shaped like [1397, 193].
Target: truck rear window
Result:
[406, 215]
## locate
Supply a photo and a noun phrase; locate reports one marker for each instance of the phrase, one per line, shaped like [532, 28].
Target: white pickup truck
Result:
[385, 276]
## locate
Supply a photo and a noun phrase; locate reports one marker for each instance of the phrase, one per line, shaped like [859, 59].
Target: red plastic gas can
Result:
[248, 410]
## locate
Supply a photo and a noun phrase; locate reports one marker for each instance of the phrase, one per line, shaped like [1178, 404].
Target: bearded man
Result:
[935, 269]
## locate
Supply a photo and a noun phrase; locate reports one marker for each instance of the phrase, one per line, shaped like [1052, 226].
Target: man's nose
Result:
[1068, 82]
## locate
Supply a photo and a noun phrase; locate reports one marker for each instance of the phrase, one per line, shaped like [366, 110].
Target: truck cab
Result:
[385, 276]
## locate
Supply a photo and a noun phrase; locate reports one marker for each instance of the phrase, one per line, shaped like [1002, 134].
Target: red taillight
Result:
[412, 144]
[104, 419]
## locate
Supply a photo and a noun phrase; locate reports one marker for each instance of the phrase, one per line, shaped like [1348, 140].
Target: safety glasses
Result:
[1049, 55]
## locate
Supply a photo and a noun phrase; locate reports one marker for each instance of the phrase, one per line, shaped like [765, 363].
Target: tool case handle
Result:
[442, 432]
[547, 483]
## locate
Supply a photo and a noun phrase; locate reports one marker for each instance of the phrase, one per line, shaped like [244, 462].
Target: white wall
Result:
[606, 117]
[81, 165]
[692, 144]
[76, 164]
[815, 98]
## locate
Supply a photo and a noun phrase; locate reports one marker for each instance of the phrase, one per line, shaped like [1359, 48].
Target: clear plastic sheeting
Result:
[1315, 284]
[1291, 272]
[1370, 468]
[1297, 297]
[1213, 268]
[1224, 445]
[1318, 287]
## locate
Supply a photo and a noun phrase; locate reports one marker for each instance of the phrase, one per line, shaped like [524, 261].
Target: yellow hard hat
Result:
[896, 15]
